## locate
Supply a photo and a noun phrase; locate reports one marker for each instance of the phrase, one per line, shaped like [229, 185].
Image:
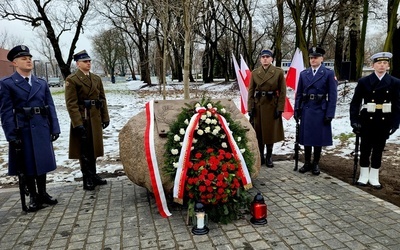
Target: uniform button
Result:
[370, 118]
[373, 91]
[372, 100]
[383, 118]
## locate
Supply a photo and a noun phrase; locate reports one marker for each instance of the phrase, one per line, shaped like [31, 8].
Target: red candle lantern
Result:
[258, 210]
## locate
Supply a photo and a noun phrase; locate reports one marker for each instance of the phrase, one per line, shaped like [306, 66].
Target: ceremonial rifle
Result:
[251, 117]
[356, 157]
[296, 147]
[84, 139]
[19, 154]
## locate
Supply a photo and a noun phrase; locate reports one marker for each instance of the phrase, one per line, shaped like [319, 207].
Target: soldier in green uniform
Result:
[267, 92]
[87, 107]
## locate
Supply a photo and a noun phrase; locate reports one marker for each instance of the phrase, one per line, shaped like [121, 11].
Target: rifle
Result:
[251, 117]
[84, 140]
[356, 157]
[19, 154]
[296, 147]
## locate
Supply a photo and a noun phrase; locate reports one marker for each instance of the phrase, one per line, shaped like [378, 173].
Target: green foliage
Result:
[210, 136]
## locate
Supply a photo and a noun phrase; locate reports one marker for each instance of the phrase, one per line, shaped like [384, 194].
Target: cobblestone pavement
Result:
[304, 212]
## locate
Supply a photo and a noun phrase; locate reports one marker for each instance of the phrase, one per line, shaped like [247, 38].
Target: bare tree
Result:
[108, 46]
[8, 41]
[58, 17]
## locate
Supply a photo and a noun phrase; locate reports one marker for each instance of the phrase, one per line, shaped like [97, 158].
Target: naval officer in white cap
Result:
[375, 115]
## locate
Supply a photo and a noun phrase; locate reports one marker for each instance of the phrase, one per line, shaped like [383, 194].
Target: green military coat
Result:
[263, 107]
[79, 87]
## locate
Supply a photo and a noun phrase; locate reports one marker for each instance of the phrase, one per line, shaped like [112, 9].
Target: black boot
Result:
[88, 182]
[34, 203]
[307, 158]
[86, 175]
[262, 156]
[43, 196]
[268, 159]
[317, 156]
[97, 180]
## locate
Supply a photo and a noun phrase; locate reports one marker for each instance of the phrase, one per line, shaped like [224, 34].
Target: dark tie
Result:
[27, 80]
[314, 71]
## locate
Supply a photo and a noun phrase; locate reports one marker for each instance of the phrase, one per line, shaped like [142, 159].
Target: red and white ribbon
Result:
[184, 157]
[244, 172]
[179, 183]
[156, 182]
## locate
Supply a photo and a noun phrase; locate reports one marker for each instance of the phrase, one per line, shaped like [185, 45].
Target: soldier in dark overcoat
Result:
[87, 107]
[374, 115]
[267, 92]
[30, 123]
[315, 106]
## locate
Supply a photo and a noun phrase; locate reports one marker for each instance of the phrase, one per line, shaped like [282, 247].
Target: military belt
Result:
[265, 93]
[314, 97]
[92, 103]
[31, 111]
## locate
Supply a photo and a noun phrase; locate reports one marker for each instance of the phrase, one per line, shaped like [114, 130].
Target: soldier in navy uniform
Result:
[374, 115]
[26, 104]
[315, 107]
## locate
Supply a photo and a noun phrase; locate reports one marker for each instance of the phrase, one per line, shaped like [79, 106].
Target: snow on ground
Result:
[127, 99]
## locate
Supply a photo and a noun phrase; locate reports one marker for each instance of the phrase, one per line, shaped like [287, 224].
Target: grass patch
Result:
[344, 137]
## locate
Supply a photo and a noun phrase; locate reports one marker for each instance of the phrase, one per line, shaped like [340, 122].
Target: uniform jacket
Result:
[79, 87]
[323, 87]
[372, 90]
[35, 130]
[263, 107]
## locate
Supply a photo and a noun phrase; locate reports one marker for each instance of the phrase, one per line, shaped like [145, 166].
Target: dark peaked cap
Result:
[18, 51]
[316, 51]
[81, 56]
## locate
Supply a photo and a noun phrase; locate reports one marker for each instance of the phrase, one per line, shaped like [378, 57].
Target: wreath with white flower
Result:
[213, 175]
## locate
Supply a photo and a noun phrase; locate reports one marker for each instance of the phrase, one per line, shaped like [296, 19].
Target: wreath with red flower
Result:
[213, 177]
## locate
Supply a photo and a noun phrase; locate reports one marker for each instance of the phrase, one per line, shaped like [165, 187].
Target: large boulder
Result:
[131, 140]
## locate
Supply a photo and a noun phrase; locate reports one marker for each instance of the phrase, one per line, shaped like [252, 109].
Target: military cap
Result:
[18, 51]
[81, 56]
[381, 56]
[267, 52]
[315, 52]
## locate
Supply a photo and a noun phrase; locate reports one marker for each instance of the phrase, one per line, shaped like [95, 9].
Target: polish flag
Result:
[292, 78]
[241, 75]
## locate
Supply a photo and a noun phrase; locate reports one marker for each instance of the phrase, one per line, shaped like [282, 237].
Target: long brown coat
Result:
[263, 107]
[79, 87]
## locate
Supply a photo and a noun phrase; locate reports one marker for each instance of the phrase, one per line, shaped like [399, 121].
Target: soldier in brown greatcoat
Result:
[87, 108]
[267, 92]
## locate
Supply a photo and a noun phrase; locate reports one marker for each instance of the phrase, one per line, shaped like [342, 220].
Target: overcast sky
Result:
[24, 32]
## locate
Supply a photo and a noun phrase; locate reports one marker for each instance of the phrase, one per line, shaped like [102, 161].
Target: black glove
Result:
[392, 130]
[81, 130]
[16, 143]
[327, 120]
[297, 115]
[356, 128]
[105, 124]
[277, 114]
[54, 137]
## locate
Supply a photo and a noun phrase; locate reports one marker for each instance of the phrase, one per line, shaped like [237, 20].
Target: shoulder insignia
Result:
[66, 83]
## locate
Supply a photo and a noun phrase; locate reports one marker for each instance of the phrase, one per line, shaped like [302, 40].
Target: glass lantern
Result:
[200, 220]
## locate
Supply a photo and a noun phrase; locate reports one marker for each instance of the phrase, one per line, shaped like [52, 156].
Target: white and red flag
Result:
[292, 78]
[243, 74]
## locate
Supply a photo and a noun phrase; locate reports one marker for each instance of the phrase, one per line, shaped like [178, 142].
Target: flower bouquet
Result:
[213, 161]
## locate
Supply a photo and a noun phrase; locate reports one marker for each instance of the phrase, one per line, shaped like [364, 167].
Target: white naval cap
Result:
[381, 56]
